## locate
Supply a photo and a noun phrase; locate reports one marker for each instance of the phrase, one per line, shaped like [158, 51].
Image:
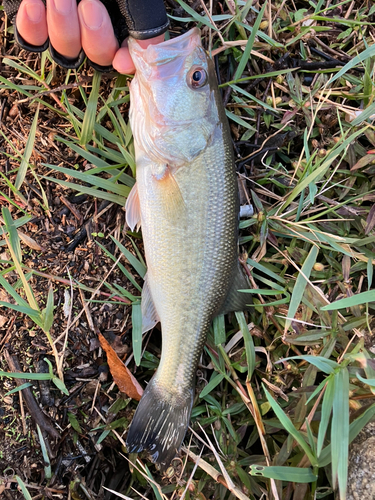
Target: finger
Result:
[31, 22]
[63, 27]
[122, 61]
[97, 36]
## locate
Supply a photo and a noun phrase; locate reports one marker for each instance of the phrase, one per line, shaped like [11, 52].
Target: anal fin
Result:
[237, 301]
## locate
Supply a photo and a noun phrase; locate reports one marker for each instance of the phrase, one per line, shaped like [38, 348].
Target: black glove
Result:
[140, 19]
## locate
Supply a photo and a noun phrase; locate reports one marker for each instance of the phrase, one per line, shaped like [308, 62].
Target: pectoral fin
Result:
[237, 301]
[133, 209]
[173, 201]
[149, 315]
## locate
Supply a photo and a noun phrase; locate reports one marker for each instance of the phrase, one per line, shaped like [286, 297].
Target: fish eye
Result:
[197, 77]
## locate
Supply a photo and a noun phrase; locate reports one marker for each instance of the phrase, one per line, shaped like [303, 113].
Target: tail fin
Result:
[160, 423]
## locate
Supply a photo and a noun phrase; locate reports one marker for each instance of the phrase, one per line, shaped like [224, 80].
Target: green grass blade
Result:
[128, 158]
[19, 388]
[199, 19]
[26, 376]
[369, 52]
[237, 119]
[24, 490]
[90, 114]
[214, 382]
[155, 486]
[14, 240]
[22, 68]
[301, 283]
[255, 99]
[364, 115]
[326, 413]
[96, 193]
[47, 462]
[355, 300]
[340, 431]
[32, 313]
[21, 174]
[94, 180]
[121, 267]
[368, 381]
[60, 385]
[93, 159]
[48, 311]
[370, 270]
[292, 474]
[288, 425]
[265, 270]
[138, 266]
[219, 329]
[249, 344]
[12, 292]
[27, 288]
[108, 153]
[325, 365]
[260, 291]
[250, 43]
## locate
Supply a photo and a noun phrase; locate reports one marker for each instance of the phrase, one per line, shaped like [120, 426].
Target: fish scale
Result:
[186, 200]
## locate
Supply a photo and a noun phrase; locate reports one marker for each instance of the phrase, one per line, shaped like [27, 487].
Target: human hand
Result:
[95, 28]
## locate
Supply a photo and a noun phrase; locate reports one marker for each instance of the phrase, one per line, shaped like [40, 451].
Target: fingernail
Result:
[63, 6]
[92, 15]
[34, 11]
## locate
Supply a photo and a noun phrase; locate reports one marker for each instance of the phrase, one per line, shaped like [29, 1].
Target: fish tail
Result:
[160, 423]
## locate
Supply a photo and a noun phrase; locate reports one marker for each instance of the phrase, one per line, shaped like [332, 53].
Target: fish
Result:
[186, 201]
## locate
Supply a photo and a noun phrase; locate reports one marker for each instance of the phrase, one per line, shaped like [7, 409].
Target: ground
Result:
[305, 161]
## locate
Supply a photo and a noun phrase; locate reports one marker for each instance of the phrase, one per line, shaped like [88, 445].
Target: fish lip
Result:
[155, 54]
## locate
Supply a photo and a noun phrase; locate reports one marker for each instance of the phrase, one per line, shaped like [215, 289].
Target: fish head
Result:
[173, 99]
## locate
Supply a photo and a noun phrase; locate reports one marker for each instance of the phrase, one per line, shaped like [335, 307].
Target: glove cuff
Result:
[145, 19]
[64, 61]
[27, 46]
[149, 33]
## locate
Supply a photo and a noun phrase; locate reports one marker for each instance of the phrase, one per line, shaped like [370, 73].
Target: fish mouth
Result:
[164, 52]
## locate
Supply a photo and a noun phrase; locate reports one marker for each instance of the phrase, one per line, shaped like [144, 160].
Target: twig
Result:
[72, 208]
[37, 415]
[22, 414]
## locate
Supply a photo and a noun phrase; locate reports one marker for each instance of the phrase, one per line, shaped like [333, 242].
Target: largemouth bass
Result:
[186, 201]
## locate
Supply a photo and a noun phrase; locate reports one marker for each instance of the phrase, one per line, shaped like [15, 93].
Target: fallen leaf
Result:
[125, 381]
[30, 242]
[364, 161]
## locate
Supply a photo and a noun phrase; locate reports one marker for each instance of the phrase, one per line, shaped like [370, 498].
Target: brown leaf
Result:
[30, 242]
[125, 381]
[364, 161]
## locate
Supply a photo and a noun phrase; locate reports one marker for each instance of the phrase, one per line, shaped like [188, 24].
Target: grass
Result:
[283, 389]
